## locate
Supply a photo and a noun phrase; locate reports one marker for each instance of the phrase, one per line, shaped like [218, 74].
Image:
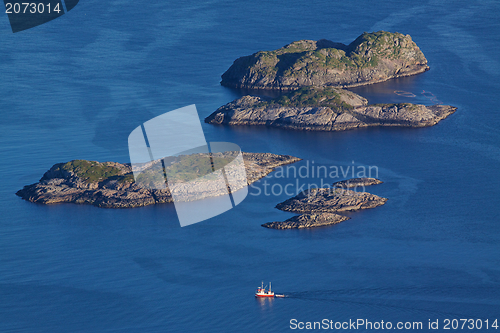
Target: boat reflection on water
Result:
[265, 303]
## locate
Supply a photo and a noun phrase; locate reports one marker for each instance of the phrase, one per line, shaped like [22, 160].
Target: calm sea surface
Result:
[76, 87]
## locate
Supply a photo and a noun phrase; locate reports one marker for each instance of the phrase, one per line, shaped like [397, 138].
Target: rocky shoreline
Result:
[319, 207]
[370, 58]
[112, 185]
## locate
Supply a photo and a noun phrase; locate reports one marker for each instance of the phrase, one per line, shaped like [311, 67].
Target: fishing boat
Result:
[261, 291]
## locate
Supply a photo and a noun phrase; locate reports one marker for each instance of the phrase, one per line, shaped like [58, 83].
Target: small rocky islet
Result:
[307, 221]
[320, 207]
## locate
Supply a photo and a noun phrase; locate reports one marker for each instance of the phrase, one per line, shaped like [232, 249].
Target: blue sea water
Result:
[74, 88]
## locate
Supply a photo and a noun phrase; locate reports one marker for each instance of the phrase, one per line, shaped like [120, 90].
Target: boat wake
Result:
[411, 300]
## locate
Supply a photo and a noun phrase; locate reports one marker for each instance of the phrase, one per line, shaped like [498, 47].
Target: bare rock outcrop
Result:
[330, 200]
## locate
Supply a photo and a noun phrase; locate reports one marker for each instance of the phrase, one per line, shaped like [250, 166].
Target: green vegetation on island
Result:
[92, 171]
[311, 96]
[372, 57]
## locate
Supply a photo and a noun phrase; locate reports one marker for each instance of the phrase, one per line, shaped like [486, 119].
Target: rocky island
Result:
[112, 185]
[370, 58]
[307, 221]
[325, 109]
[319, 207]
[357, 182]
